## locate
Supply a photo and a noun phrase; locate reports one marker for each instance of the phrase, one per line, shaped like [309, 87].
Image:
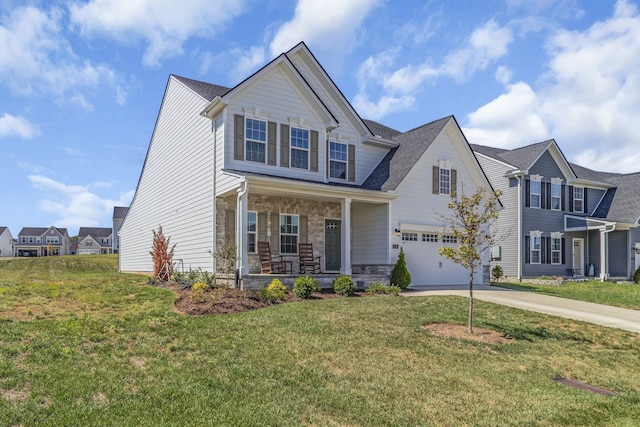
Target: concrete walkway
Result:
[599, 314]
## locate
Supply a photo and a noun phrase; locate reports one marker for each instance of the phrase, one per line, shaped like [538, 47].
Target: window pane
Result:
[300, 138]
[256, 130]
[255, 151]
[337, 170]
[299, 159]
[535, 194]
[338, 151]
[251, 222]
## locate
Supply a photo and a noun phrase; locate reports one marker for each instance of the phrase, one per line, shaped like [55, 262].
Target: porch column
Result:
[604, 265]
[242, 207]
[346, 237]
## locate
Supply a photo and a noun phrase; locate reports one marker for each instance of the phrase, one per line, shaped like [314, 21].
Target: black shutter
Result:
[562, 196]
[571, 198]
[585, 208]
[543, 250]
[549, 195]
[527, 252]
[564, 258]
[527, 193]
[543, 195]
[549, 257]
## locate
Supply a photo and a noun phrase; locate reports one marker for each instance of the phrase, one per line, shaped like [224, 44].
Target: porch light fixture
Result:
[397, 232]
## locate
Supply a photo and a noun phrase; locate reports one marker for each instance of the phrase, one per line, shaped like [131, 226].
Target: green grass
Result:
[101, 349]
[615, 294]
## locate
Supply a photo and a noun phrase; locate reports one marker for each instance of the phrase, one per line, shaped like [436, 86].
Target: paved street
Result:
[578, 310]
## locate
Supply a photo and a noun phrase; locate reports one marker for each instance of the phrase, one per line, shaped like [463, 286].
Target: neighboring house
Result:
[41, 241]
[94, 241]
[6, 242]
[119, 212]
[560, 218]
[283, 157]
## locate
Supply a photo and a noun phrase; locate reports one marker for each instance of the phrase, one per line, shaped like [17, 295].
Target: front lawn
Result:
[615, 294]
[81, 344]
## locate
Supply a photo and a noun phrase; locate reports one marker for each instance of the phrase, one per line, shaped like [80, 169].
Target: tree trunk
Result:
[470, 326]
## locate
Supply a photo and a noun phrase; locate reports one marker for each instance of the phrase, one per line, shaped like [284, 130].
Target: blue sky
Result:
[81, 82]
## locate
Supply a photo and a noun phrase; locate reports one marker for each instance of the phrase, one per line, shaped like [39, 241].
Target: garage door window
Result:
[429, 237]
[409, 237]
[448, 238]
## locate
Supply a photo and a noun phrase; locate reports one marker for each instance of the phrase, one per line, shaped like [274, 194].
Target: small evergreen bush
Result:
[636, 276]
[497, 273]
[343, 285]
[275, 291]
[304, 286]
[400, 275]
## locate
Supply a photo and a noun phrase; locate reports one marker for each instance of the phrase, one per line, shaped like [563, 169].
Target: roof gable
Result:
[95, 232]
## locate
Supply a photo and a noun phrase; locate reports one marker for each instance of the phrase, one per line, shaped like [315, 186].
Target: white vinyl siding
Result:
[175, 189]
[370, 234]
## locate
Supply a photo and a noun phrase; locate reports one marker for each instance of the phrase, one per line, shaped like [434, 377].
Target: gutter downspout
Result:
[519, 178]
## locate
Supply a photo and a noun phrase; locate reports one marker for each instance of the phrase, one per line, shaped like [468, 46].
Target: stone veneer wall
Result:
[316, 212]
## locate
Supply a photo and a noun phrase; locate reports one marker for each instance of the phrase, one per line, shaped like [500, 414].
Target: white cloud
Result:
[17, 126]
[163, 24]
[246, 62]
[75, 205]
[325, 24]
[397, 86]
[589, 98]
[35, 57]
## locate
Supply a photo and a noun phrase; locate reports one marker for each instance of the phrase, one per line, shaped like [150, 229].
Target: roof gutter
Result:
[213, 108]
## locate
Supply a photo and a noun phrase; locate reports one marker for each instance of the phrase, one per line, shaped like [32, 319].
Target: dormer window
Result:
[444, 178]
[337, 160]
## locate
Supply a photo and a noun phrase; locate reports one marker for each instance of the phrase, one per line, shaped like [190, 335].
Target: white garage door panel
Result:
[429, 268]
[88, 252]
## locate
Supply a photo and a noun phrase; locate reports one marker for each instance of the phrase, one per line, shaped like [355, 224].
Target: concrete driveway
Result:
[599, 314]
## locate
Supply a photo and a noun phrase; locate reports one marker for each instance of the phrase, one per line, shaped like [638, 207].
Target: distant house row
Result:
[52, 241]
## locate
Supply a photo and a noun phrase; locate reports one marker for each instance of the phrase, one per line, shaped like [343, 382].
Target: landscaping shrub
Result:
[343, 285]
[636, 276]
[304, 286]
[276, 290]
[400, 275]
[187, 280]
[377, 288]
[199, 287]
[497, 273]
[394, 290]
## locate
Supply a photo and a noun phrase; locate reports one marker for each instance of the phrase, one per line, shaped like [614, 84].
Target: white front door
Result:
[578, 257]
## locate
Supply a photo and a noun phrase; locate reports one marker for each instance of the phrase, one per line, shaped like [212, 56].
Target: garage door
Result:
[426, 266]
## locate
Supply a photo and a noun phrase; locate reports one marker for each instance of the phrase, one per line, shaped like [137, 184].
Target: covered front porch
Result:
[600, 248]
[348, 228]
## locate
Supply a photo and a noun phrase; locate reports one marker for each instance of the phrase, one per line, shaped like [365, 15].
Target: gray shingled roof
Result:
[2, 229]
[206, 90]
[119, 212]
[591, 175]
[398, 162]
[379, 129]
[39, 231]
[94, 232]
[625, 206]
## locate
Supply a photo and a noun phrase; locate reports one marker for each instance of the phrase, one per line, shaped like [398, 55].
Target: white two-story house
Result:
[283, 157]
[6, 242]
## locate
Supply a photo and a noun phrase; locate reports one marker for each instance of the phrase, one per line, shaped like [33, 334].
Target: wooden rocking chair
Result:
[308, 263]
[267, 263]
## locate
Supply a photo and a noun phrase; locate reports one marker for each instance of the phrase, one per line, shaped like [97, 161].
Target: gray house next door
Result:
[332, 244]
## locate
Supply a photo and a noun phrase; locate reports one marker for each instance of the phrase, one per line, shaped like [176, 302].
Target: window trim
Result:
[556, 238]
[284, 234]
[254, 233]
[333, 160]
[444, 182]
[256, 141]
[293, 148]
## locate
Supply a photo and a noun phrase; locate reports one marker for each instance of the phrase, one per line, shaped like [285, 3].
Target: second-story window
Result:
[578, 199]
[445, 181]
[299, 148]
[556, 194]
[337, 160]
[256, 140]
[535, 194]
